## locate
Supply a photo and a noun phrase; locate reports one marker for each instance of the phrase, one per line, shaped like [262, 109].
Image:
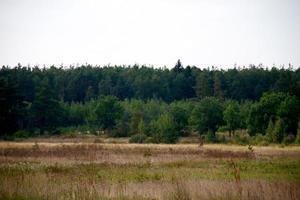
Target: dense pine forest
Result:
[148, 104]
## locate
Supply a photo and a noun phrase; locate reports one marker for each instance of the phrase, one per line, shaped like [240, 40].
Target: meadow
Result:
[53, 169]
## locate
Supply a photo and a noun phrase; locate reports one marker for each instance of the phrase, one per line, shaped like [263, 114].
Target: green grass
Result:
[276, 169]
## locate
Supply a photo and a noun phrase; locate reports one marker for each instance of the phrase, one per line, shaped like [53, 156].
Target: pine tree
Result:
[178, 67]
[218, 91]
[90, 93]
[203, 87]
[46, 108]
[108, 111]
[11, 107]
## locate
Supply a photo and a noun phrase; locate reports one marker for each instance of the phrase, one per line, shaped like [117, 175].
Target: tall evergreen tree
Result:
[46, 109]
[203, 86]
[178, 68]
[218, 89]
[11, 107]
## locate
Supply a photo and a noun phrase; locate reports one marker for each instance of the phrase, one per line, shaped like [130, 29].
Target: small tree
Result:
[135, 120]
[180, 116]
[108, 111]
[279, 131]
[269, 131]
[207, 116]
[232, 117]
[141, 127]
[166, 129]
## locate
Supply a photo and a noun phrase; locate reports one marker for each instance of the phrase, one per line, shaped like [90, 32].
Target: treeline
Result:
[148, 104]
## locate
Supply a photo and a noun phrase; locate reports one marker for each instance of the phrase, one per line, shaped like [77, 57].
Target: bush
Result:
[279, 130]
[262, 140]
[117, 133]
[138, 138]
[166, 132]
[223, 129]
[241, 140]
[149, 140]
[21, 134]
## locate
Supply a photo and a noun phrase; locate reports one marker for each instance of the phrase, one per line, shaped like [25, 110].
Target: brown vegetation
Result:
[129, 171]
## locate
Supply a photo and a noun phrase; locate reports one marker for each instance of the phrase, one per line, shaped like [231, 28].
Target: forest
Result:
[151, 105]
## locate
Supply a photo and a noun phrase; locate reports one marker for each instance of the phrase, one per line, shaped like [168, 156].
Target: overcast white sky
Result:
[157, 32]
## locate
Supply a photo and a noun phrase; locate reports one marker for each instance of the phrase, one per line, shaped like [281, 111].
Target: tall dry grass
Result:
[123, 171]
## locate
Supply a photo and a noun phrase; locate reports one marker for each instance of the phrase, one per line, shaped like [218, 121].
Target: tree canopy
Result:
[158, 104]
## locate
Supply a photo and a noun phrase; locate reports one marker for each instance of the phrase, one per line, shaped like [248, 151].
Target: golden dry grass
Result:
[48, 170]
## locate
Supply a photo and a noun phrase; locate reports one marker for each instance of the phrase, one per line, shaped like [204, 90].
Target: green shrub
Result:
[260, 139]
[223, 129]
[279, 130]
[166, 132]
[241, 140]
[149, 140]
[117, 133]
[66, 130]
[22, 134]
[138, 138]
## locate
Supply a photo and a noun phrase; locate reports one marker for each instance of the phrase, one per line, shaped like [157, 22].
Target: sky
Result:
[204, 33]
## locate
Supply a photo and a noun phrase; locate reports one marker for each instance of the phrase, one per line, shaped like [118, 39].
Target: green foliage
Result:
[207, 115]
[279, 131]
[270, 131]
[135, 121]
[203, 85]
[122, 128]
[261, 140]
[180, 114]
[297, 140]
[138, 138]
[223, 129]
[244, 113]
[270, 107]
[34, 99]
[289, 112]
[46, 109]
[108, 111]
[232, 117]
[141, 127]
[11, 106]
[210, 137]
[22, 134]
[166, 131]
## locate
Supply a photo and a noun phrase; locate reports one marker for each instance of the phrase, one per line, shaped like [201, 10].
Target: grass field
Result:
[58, 170]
